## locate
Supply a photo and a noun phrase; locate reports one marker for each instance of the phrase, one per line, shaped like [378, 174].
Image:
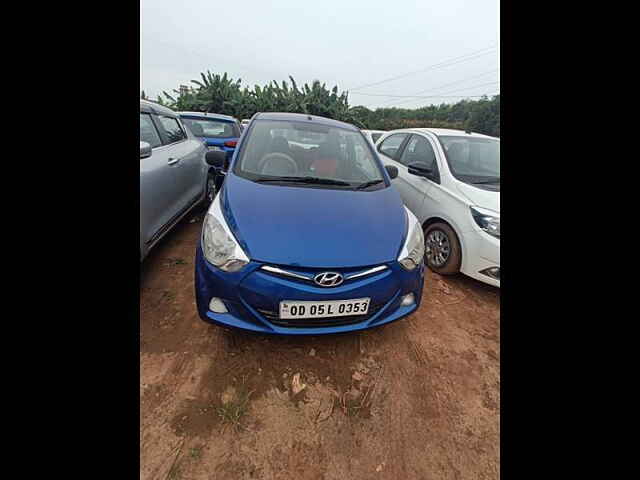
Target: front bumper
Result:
[252, 297]
[481, 256]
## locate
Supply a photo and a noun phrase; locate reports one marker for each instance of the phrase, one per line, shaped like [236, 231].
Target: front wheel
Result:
[442, 249]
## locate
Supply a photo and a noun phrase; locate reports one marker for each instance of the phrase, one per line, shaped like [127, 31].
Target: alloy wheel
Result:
[437, 248]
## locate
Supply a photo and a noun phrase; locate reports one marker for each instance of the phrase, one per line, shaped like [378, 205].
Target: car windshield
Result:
[473, 160]
[211, 127]
[304, 152]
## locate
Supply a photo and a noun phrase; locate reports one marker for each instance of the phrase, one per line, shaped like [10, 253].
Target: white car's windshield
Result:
[473, 160]
[312, 153]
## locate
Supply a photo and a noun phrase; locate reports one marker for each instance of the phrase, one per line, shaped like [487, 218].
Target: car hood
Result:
[314, 227]
[480, 197]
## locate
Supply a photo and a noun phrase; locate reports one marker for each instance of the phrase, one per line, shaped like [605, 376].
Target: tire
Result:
[447, 248]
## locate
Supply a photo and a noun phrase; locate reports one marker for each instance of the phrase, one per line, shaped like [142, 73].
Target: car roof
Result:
[152, 107]
[447, 132]
[217, 116]
[374, 131]
[303, 117]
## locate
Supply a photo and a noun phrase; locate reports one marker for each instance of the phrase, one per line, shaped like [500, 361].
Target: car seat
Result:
[326, 162]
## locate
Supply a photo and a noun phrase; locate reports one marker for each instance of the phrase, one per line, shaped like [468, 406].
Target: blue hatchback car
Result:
[219, 132]
[307, 235]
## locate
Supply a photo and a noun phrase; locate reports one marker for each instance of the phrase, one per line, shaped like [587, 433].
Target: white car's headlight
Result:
[219, 246]
[487, 220]
[413, 250]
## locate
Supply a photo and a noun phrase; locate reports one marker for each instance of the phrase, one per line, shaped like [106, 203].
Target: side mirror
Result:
[420, 169]
[216, 158]
[392, 171]
[145, 150]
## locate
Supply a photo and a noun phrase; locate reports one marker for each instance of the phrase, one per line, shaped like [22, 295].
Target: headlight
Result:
[487, 220]
[413, 250]
[219, 246]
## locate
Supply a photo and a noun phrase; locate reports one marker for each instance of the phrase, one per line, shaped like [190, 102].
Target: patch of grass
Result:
[232, 412]
[360, 406]
[174, 474]
[168, 295]
[195, 452]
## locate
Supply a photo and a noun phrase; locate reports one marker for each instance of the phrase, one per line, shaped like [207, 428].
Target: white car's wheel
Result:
[442, 249]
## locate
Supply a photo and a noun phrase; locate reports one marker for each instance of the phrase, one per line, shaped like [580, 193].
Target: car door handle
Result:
[173, 161]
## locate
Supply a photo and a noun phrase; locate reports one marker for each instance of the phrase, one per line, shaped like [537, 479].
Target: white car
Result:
[245, 122]
[373, 135]
[450, 180]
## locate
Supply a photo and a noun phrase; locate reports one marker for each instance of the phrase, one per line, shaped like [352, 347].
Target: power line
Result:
[446, 63]
[433, 88]
[444, 94]
[420, 96]
[427, 96]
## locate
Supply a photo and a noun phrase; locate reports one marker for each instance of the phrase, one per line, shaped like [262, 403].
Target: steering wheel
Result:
[264, 164]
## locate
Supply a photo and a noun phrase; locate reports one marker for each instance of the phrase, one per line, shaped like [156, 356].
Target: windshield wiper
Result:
[317, 180]
[490, 180]
[368, 184]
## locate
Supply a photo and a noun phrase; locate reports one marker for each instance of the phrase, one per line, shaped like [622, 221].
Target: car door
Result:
[417, 189]
[158, 185]
[390, 149]
[187, 160]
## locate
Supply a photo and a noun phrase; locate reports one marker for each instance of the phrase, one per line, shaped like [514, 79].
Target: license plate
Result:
[331, 308]
[214, 148]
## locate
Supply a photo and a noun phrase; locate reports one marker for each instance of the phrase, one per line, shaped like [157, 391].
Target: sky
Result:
[373, 49]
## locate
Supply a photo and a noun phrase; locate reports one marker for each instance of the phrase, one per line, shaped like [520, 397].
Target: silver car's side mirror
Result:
[145, 150]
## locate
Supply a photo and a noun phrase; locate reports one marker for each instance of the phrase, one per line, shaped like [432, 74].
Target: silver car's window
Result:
[148, 132]
[172, 129]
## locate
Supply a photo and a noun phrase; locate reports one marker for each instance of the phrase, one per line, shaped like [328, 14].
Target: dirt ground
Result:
[417, 399]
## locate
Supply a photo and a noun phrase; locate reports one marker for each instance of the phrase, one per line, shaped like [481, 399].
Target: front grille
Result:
[308, 275]
[274, 318]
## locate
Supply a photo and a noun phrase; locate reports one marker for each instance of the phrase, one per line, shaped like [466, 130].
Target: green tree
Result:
[217, 93]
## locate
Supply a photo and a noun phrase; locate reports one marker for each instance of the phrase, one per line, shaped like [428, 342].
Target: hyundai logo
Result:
[328, 279]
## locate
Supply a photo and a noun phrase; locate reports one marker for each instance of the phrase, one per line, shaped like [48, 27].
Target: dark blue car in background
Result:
[219, 133]
[307, 235]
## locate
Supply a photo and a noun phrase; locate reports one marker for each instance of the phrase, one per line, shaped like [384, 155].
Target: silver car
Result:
[173, 173]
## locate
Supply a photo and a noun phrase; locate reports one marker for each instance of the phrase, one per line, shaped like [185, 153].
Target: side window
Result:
[375, 137]
[172, 129]
[148, 132]
[390, 145]
[419, 149]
